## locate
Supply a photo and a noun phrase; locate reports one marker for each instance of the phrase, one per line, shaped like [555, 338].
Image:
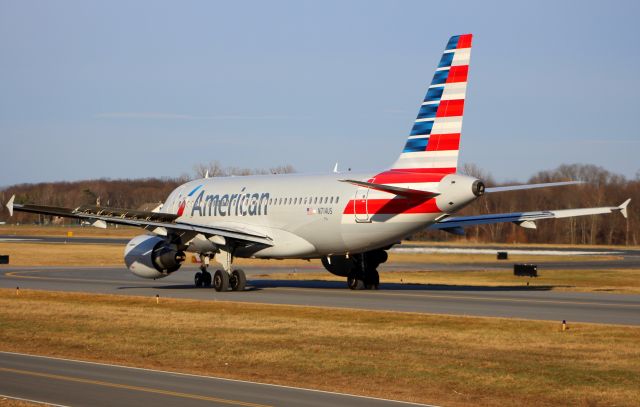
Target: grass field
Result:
[78, 231]
[446, 360]
[60, 254]
[7, 402]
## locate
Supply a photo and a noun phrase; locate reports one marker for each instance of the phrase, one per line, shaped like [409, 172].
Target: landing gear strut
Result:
[203, 277]
[364, 274]
[226, 278]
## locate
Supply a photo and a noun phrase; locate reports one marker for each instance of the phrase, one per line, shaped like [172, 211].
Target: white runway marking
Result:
[18, 239]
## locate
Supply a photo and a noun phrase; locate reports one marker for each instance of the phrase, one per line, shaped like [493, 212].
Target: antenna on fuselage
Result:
[206, 174]
[335, 167]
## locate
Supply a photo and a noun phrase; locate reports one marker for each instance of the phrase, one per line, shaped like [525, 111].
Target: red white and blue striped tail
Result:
[434, 141]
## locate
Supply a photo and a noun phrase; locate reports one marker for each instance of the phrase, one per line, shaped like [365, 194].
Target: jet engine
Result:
[152, 256]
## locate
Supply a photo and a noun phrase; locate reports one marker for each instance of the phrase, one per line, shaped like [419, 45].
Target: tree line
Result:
[600, 188]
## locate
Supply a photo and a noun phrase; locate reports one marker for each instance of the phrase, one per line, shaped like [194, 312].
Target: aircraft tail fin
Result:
[434, 141]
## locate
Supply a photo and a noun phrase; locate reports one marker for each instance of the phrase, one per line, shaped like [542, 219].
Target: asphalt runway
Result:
[76, 383]
[528, 302]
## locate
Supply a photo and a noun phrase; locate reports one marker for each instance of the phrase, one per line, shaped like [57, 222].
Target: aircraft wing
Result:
[456, 224]
[157, 222]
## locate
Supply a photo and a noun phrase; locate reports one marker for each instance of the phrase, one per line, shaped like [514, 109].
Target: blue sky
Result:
[147, 88]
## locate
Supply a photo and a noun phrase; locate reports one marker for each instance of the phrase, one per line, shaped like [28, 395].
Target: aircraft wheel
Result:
[206, 279]
[355, 283]
[221, 280]
[238, 280]
[375, 279]
[197, 279]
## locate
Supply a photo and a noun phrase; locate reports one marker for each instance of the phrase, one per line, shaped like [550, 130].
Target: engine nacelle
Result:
[152, 257]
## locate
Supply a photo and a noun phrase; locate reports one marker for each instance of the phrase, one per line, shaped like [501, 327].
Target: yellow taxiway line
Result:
[129, 387]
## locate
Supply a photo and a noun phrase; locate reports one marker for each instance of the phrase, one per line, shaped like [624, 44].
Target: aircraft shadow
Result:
[320, 284]
[258, 285]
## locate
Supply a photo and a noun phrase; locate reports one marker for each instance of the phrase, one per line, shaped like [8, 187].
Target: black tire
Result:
[197, 279]
[238, 280]
[375, 279]
[206, 279]
[221, 280]
[355, 283]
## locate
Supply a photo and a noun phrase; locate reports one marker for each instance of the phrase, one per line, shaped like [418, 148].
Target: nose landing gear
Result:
[203, 277]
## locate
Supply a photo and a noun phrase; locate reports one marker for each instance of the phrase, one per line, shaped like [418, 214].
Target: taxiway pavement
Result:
[77, 383]
[528, 302]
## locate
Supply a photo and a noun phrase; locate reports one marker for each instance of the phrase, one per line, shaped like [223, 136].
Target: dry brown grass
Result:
[7, 402]
[60, 254]
[428, 358]
[61, 231]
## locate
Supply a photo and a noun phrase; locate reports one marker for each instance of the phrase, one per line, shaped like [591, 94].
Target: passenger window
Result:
[279, 201]
[331, 200]
[315, 200]
[337, 199]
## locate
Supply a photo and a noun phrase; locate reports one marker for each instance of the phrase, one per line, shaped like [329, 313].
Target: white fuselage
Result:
[306, 216]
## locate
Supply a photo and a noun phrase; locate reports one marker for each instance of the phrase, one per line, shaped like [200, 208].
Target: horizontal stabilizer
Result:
[10, 205]
[623, 207]
[524, 219]
[407, 192]
[531, 186]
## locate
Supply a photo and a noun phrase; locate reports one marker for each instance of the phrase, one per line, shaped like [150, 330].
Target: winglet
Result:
[623, 207]
[10, 205]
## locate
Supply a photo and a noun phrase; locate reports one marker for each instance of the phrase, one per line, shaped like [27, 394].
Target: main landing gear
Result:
[364, 273]
[223, 279]
[361, 270]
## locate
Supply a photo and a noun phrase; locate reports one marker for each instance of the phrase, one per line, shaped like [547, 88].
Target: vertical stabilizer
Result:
[434, 141]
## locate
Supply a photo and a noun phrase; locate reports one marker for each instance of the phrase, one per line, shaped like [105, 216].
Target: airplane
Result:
[348, 220]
